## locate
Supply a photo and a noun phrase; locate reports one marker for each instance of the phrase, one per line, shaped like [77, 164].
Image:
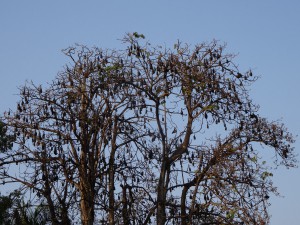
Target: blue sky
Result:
[264, 34]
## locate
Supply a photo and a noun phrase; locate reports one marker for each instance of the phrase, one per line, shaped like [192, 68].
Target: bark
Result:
[87, 208]
[111, 174]
[51, 206]
[65, 217]
[161, 201]
[183, 206]
[161, 189]
[125, 214]
[87, 178]
[111, 187]
[47, 195]
[87, 189]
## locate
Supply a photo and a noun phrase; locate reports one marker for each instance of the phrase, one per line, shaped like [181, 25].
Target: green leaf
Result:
[137, 35]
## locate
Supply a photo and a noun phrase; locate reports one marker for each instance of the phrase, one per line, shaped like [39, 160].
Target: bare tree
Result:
[124, 137]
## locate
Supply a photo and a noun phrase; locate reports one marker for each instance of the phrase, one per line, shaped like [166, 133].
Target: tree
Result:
[14, 211]
[6, 141]
[122, 137]
[5, 204]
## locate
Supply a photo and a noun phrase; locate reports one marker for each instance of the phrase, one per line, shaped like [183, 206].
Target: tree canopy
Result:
[14, 211]
[6, 140]
[124, 137]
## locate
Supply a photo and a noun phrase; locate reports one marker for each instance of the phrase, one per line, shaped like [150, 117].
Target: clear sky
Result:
[264, 33]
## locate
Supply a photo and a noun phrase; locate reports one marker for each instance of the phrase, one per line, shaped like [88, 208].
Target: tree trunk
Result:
[87, 208]
[183, 206]
[65, 217]
[111, 179]
[111, 187]
[125, 213]
[161, 197]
